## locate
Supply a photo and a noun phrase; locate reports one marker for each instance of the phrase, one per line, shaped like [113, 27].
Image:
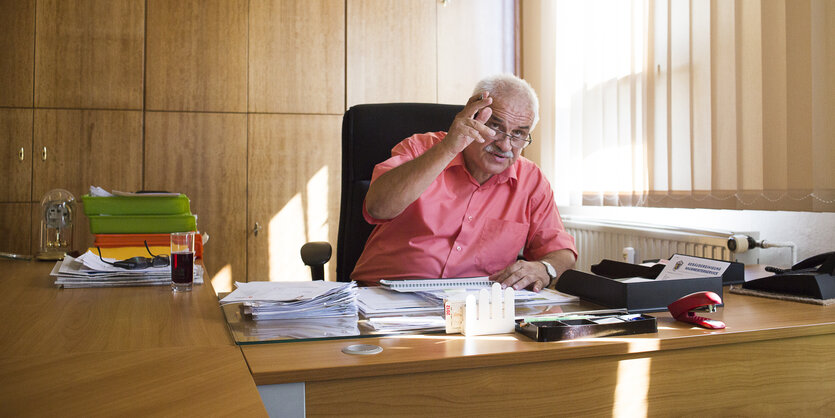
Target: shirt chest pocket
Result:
[499, 244]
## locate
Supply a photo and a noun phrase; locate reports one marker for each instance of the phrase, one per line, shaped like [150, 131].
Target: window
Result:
[687, 103]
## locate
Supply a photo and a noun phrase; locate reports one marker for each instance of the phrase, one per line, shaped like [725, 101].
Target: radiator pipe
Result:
[740, 243]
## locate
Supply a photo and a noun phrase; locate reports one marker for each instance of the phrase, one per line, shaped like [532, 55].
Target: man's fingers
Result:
[475, 104]
[469, 123]
[479, 129]
[506, 276]
[484, 114]
[520, 276]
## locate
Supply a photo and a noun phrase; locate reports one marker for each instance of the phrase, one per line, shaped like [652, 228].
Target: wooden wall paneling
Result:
[204, 156]
[89, 54]
[391, 51]
[15, 233]
[84, 148]
[17, 41]
[16, 137]
[293, 193]
[197, 55]
[34, 226]
[297, 56]
[476, 38]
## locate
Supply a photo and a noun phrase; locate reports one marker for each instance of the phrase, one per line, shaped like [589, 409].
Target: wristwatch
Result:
[552, 272]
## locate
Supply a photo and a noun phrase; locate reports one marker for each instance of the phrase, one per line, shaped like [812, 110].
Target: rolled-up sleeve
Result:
[547, 233]
[407, 150]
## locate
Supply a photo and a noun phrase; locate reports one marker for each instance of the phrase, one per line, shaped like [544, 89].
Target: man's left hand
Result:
[523, 274]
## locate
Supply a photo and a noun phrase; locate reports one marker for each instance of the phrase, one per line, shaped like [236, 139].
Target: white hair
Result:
[510, 85]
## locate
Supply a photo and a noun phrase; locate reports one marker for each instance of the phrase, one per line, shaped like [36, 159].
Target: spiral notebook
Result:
[423, 285]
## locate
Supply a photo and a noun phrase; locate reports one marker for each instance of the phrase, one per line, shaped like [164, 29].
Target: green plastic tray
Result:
[136, 205]
[142, 224]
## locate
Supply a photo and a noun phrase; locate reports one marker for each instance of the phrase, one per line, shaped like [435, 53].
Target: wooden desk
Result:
[121, 351]
[773, 358]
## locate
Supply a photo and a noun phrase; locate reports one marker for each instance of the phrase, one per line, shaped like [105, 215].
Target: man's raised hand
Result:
[468, 125]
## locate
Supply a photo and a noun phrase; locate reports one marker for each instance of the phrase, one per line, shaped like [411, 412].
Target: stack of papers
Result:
[295, 300]
[308, 328]
[439, 289]
[381, 302]
[406, 323]
[89, 270]
[378, 301]
[523, 297]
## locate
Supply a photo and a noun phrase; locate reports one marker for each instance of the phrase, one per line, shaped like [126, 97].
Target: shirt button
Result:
[469, 218]
[458, 248]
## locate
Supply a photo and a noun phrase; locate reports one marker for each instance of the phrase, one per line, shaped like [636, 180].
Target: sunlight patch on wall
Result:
[317, 210]
[222, 280]
[317, 206]
[286, 236]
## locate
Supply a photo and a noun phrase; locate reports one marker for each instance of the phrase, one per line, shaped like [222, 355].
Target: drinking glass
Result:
[182, 261]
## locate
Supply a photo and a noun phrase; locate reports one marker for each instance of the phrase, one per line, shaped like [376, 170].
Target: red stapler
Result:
[682, 309]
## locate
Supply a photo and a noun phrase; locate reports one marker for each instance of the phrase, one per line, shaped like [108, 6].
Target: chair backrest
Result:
[369, 132]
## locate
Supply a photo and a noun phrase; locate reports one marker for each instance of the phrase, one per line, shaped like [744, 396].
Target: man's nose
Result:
[504, 143]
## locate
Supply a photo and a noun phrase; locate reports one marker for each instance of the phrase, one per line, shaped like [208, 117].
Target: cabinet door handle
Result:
[44, 154]
[20, 154]
[256, 229]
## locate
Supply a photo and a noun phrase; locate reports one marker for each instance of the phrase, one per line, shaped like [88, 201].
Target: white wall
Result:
[813, 233]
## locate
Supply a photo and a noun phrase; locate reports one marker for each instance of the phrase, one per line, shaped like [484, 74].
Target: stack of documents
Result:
[308, 328]
[523, 297]
[417, 304]
[89, 270]
[439, 289]
[295, 300]
[406, 323]
[377, 301]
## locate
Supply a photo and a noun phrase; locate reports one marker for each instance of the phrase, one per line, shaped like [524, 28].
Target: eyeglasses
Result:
[516, 140]
[139, 262]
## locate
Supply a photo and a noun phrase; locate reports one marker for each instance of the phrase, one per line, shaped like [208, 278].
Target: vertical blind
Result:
[692, 103]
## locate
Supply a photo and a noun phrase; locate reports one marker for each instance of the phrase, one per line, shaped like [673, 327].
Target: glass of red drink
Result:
[182, 261]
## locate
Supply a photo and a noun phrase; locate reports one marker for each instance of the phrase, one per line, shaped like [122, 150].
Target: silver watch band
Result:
[551, 271]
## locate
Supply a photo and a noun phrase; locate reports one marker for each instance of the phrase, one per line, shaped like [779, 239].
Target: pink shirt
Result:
[459, 228]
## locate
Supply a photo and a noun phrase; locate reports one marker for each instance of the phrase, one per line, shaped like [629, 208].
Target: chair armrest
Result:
[315, 255]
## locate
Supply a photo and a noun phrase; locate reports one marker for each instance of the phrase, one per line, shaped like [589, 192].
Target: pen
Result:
[622, 317]
[11, 256]
[557, 318]
[577, 315]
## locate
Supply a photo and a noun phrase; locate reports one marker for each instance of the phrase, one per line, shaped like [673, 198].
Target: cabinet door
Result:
[391, 51]
[297, 56]
[75, 149]
[476, 38]
[197, 55]
[15, 228]
[89, 54]
[17, 43]
[16, 146]
[293, 192]
[204, 156]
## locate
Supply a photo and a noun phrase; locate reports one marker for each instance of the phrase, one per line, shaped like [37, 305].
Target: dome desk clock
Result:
[57, 216]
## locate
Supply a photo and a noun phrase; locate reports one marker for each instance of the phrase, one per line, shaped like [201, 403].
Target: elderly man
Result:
[464, 203]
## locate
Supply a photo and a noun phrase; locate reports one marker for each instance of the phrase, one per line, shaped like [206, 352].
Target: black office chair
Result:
[369, 132]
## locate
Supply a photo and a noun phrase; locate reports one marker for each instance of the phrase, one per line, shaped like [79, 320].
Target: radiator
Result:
[604, 239]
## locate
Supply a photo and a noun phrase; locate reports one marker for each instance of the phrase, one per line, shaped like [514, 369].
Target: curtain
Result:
[687, 103]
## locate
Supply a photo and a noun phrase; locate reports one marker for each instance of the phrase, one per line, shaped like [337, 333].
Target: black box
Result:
[569, 329]
[644, 296]
[734, 274]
